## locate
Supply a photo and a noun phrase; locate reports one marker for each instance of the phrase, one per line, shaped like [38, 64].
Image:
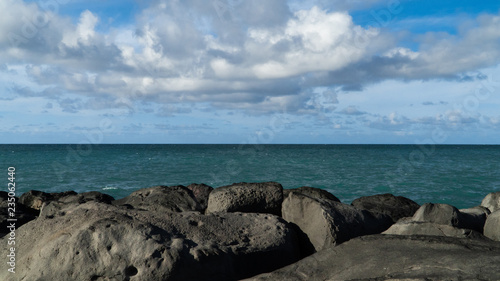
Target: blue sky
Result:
[260, 71]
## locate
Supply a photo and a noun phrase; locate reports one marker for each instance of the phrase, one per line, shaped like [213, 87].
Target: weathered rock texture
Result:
[428, 228]
[474, 218]
[84, 197]
[315, 193]
[22, 213]
[388, 257]
[233, 232]
[492, 201]
[396, 207]
[478, 211]
[328, 223]
[439, 214]
[54, 207]
[35, 199]
[201, 193]
[448, 215]
[162, 198]
[492, 226]
[247, 197]
[96, 241]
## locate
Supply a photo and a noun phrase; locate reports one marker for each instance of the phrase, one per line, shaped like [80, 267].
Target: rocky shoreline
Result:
[251, 231]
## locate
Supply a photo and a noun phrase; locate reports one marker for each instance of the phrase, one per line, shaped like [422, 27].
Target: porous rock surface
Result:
[234, 232]
[449, 215]
[201, 193]
[492, 226]
[312, 192]
[393, 257]
[328, 223]
[429, 228]
[244, 197]
[22, 213]
[35, 199]
[396, 207]
[162, 198]
[492, 201]
[56, 206]
[96, 241]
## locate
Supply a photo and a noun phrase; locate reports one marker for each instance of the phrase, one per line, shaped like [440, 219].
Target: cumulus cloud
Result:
[442, 55]
[84, 32]
[258, 58]
[28, 32]
[471, 49]
[311, 41]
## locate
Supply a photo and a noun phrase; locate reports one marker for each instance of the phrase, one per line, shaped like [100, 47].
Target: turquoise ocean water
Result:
[453, 174]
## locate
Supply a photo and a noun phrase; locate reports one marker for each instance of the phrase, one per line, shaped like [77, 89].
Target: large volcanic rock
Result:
[21, 213]
[442, 220]
[312, 192]
[396, 207]
[35, 199]
[448, 215]
[389, 257]
[54, 207]
[244, 197]
[162, 198]
[492, 201]
[327, 223]
[428, 228]
[492, 226]
[50, 203]
[96, 241]
[475, 217]
[201, 193]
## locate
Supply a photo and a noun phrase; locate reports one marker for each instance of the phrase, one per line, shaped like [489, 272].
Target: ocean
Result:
[460, 175]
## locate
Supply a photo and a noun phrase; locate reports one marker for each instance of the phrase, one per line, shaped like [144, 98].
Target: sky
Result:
[250, 71]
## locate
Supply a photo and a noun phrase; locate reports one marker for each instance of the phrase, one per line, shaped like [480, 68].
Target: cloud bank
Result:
[254, 57]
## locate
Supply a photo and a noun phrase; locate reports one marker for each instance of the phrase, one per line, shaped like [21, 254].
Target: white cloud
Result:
[315, 41]
[401, 52]
[257, 59]
[13, 28]
[449, 55]
[84, 32]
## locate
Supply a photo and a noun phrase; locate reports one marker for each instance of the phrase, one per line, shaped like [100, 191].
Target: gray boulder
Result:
[492, 201]
[161, 198]
[85, 197]
[22, 213]
[448, 215]
[396, 207]
[492, 226]
[54, 207]
[438, 213]
[475, 217]
[327, 223]
[312, 192]
[201, 193]
[35, 199]
[244, 197]
[96, 241]
[478, 211]
[428, 228]
[393, 257]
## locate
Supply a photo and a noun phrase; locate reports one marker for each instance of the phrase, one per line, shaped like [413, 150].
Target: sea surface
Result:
[459, 175]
